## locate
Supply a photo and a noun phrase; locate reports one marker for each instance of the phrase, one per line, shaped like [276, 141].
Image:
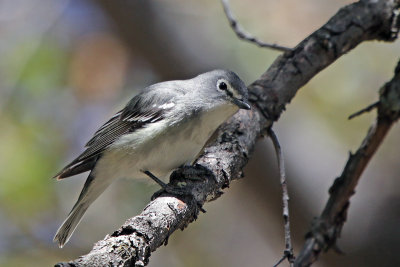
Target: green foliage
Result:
[38, 69]
[25, 185]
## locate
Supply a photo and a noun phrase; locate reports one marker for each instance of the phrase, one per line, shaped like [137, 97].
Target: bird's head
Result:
[225, 86]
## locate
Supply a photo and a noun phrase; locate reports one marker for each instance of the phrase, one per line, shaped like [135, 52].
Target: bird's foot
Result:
[181, 186]
[194, 172]
[180, 191]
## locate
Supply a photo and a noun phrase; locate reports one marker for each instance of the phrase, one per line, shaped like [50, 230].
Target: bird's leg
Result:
[165, 187]
[155, 179]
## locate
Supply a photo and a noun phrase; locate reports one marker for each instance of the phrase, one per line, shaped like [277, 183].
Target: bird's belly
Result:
[169, 155]
[160, 155]
[159, 148]
[180, 146]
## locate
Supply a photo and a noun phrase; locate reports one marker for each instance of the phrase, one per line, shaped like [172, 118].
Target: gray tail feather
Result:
[69, 225]
[91, 190]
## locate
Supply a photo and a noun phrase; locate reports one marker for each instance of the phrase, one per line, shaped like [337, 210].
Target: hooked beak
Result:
[241, 104]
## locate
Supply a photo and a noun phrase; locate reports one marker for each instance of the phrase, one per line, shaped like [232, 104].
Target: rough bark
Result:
[223, 161]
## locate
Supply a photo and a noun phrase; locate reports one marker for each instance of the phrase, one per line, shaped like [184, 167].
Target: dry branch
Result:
[327, 228]
[241, 34]
[224, 160]
[288, 252]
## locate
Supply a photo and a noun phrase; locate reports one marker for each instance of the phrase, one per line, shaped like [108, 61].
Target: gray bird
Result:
[159, 130]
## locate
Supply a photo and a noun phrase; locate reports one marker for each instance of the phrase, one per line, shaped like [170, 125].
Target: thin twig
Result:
[366, 109]
[288, 253]
[246, 36]
[280, 261]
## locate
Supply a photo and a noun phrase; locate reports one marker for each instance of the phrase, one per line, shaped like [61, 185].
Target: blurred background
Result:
[66, 66]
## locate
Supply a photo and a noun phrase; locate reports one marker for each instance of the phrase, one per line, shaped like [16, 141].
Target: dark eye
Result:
[222, 86]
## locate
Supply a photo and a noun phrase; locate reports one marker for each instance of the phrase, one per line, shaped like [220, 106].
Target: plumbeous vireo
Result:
[159, 130]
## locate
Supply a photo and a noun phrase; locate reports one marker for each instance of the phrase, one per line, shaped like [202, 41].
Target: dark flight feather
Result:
[140, 111]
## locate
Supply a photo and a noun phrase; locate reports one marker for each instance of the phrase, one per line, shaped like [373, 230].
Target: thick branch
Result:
[326, 229]
[353, 24]
[223, 161]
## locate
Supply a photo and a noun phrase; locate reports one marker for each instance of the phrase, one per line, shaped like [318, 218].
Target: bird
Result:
[163, 127]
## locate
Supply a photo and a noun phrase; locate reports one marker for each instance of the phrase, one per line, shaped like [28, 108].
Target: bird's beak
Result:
[241, 104]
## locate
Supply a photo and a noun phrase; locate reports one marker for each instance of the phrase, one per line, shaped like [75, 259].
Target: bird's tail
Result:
[91, 190]
[69, 225]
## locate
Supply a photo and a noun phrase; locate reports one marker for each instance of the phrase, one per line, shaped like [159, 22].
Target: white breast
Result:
[160, 148]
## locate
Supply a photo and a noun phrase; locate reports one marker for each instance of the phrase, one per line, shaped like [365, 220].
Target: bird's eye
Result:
[222, 86]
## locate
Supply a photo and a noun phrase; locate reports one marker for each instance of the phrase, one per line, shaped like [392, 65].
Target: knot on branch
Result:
[266, 100]
[325, 233]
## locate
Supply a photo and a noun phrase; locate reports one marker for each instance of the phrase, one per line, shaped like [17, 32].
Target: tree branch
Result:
[241, 34]
[327, 228]
[224, 160]
[288, 252]
[364, 110]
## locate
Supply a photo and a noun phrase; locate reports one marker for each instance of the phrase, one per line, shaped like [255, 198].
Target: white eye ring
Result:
[222, 86]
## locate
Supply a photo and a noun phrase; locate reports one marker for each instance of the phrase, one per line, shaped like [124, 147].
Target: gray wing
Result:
[145, 108]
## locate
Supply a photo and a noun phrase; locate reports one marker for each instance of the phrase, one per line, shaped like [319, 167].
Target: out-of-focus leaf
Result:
[38, 71]
[25, 185]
